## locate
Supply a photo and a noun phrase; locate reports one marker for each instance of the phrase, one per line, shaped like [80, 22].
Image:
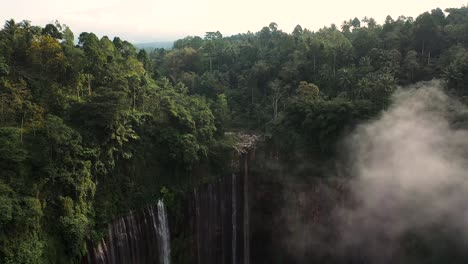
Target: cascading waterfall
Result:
[221, 229]
[198, 225]
[163, 234]
[234, 219]
[140, 237]
[221, 217]
[218, 232]
[246, 212]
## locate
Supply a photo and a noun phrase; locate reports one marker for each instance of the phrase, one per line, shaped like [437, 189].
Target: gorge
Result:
[218, 214]
[344, 144]
[266, 211]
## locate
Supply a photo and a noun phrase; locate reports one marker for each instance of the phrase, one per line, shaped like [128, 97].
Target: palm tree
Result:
[345, 81]
[10, 28]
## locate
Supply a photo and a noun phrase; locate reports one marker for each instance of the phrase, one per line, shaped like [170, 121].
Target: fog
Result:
[410, 175]
[399, 192]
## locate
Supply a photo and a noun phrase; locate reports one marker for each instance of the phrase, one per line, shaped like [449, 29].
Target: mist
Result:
[398, 194]
[410, 177]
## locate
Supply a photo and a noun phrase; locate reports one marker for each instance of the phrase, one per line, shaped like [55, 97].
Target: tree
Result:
[457, 25]
[193, 42]
[68, 37]
[363, 41]
[337, 48]
[212, 40]
[428, 33]
[356, 23]
[4, 68]
[410, 64]
[345, 81]
[278, 91]
[273, 27]
[181, 60]
[377, 87]
[308, 90]
[297, 32]
[52, 31]
[144, 59]
[385, 60]
[456, 73]
[211, 84]
[47, 56]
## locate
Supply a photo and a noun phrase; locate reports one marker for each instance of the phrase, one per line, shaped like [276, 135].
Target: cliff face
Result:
[293, 206]
[270, 208]
[213, 225]
[219, 212]
[266, 210]
[139, 237]
[220, 219]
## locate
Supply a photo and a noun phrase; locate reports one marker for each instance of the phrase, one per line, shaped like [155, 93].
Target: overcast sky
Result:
[150, 20]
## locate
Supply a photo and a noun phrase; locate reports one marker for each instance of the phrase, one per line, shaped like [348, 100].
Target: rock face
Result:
[245, 142]
[221, 219]
[263, 211]
[139, 237]
[221, 212]
[216, 222]
[292, 207]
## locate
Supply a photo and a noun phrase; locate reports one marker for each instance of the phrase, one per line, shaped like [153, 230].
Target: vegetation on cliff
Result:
[91, 129]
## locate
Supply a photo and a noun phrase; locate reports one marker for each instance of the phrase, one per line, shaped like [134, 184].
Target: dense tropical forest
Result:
[90, 129]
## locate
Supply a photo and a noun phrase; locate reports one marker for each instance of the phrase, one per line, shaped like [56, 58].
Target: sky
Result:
[140, 21]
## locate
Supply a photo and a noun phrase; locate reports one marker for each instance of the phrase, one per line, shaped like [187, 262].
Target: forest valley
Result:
[93, 129]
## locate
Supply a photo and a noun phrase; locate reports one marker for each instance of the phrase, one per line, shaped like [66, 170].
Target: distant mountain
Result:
[155, 45]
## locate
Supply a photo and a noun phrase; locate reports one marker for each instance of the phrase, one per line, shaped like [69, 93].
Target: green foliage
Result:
[89, 131]
[185, 126]
[27, 251]
[53, 94]
[6, 204]
[11, 151]
[312, 125]
[20, 241]
[75, 228]
[456, 73]
[308, 90]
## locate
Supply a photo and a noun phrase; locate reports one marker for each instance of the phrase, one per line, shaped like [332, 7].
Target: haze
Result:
[151, 20]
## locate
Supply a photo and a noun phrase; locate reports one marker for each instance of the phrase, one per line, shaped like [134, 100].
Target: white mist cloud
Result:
[411, 173]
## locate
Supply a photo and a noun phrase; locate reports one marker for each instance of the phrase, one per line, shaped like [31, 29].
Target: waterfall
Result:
[140, 237]
[234, 219]
[163, 234]
[246, 212]
[198, 225]
[216, 227]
